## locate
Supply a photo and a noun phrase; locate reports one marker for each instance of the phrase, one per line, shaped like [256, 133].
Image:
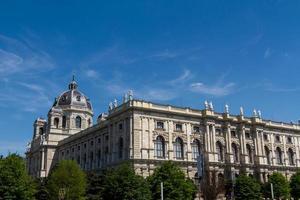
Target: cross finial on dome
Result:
[73, 85]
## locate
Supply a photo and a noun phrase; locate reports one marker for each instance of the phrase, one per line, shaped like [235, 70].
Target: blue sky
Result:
[243, 53]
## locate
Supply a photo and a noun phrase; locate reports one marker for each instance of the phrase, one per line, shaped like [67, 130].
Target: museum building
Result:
[147, 133]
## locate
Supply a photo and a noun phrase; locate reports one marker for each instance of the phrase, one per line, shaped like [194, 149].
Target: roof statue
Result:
[115, 103]
[241, 111]
[206, 105]
[130, 95]
[259, 114]
[211, 106]
[254, 113]
[125, 98]
[110, 106]
[226, 108]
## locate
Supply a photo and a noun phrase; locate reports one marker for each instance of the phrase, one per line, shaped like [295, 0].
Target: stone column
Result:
[213, 144]
[150, 138]
[284, 156]
[228, 144]
[188, 131]
[131, 137]
[207, 138]
[272, 145]
[170, 146]
[297, 150]
[43, 159]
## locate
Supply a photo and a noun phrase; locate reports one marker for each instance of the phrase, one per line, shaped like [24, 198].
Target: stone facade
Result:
[147, 134]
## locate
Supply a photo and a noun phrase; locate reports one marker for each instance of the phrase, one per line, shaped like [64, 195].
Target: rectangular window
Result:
[196, 129]
[160, 125]
[233, 134]
[159, 151]
[289, 140]
[247, 135]
[178, 127]
[195, 152]
[120, 126]
[218, 132]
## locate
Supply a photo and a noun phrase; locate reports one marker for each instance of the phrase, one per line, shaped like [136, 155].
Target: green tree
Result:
[281, 186]
[176, 185]
[123, 183]
[211, 187]
[42, 193]
[15, 183]
[67, 181]
[95, 186]
[295, 185]
[247, 188]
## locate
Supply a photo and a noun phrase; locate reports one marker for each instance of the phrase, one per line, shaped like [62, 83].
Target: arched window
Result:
[221, 179]
[121, 145]
[278, 154]
[267, 153]
[89, 122]
[159, 147]
[41, 130]
[78, 122]
[235, 152]
[56, 122]
[99, 157]
[64, 121]
[178, 148]
[291, 156]
[249, 152]
[195, 149]
[91, 160]
[219, 149]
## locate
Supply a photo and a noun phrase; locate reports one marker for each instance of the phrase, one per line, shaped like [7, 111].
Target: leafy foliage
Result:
[247, 188]
[42, 192]
[280, 186]
[176, 186]
[210, 186]
[123, 183]
[95, 186]
[295, 185]
[15, 183]
[67, 181]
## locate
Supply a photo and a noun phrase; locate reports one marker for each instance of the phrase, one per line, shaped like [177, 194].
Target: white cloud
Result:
[156, 94]
[17, 56]
[215, 90]
[9, 62]
[165, 54]
[185, 76]
[90, 73]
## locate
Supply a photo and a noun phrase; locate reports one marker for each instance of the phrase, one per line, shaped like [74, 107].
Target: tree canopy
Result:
[176, 185]
[15, 183]
[122, 183]
[247, 188]
[94, 186]
[280, 186]
[295, 185]
[66, 181]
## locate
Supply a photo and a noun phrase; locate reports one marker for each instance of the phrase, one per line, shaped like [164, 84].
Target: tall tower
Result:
[71, 113]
